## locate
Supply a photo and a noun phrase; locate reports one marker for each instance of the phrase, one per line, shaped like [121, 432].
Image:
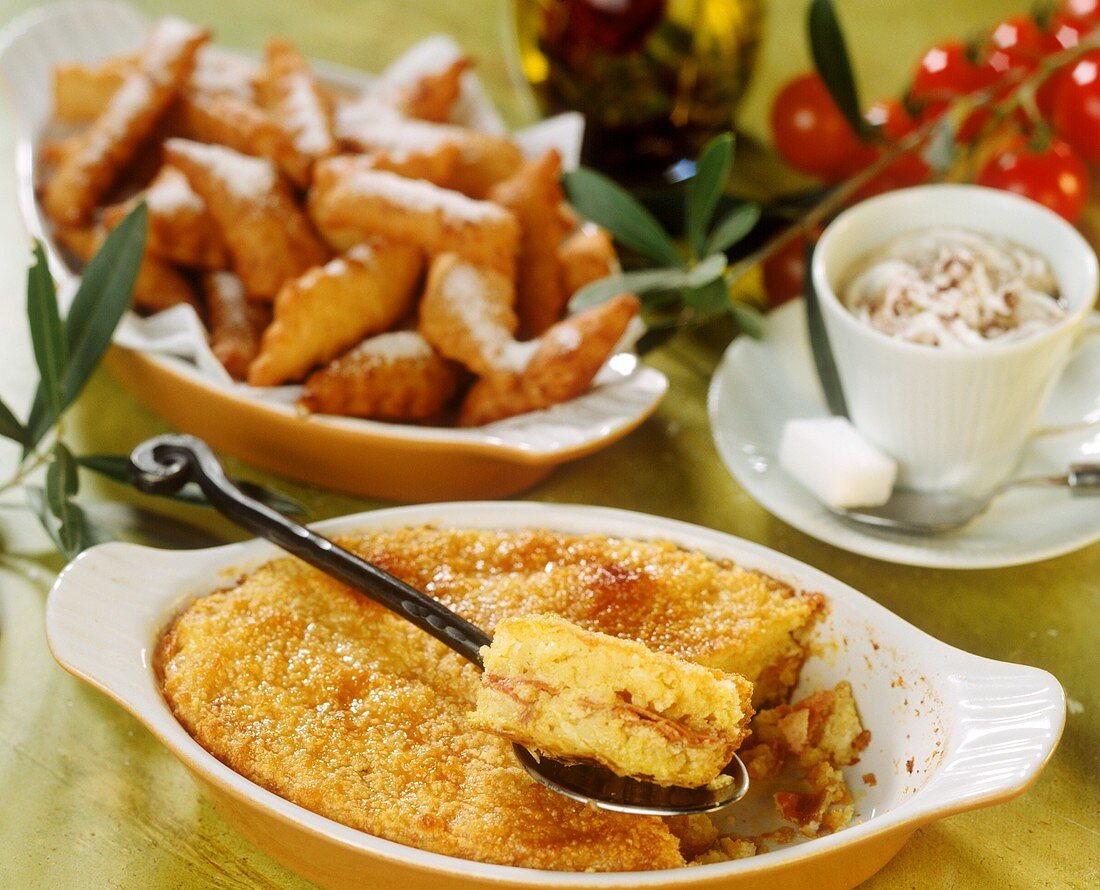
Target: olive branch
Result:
[67, 351]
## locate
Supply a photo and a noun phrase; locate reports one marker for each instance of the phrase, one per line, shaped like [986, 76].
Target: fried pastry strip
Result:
[565, 360]
[534, 194]
[395, 376]
[585, 256]
[236, 323]
[289, 92]
[369, 124]
[466, 314]
[269, 238]
[332, 307]
[81, 92]
[129, 118]
[158, 285]
[181, 229]
[229, 120]
[434, 166]
[347, 209]
[433, 95]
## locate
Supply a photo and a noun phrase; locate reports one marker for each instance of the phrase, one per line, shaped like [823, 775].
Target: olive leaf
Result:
[749, 319]
[76, 534]
[831, 59]
[97, 307]
[732, 227]
[705, 188]
[61, 484]
[10, 427]
[47, 333]
[640, 282]
[604, 202]
[117, 468]
[710, 298]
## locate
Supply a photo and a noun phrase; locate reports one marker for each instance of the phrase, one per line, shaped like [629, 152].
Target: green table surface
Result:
[90, 799]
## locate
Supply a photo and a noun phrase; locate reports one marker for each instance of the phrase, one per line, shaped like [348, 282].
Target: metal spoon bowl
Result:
[937, 512]
[165, 464]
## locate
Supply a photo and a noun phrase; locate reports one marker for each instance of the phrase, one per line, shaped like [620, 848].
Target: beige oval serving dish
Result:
[950, 731]
[398, 462]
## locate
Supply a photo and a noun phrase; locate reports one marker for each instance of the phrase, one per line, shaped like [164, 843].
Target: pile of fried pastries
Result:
[400, 267]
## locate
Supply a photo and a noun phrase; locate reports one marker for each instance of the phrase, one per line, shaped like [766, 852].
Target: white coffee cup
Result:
[953, 418]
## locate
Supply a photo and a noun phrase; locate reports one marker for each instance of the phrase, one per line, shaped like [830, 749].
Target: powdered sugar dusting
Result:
[128, 101]
[516, 356]
[221, 73]
[466, 292]
[244, 176]
[167, 41]
[171, 193]
[386, 349]
[422, 196]
[566, 336]
[228, 286]
[373, 125]
[305, 117]
[361, 253]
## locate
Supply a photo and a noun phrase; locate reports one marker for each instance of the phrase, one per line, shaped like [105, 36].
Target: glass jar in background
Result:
[655, 79]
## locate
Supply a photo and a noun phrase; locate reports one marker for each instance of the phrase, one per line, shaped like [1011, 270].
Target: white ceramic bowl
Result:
[950, 731]
[953, 418]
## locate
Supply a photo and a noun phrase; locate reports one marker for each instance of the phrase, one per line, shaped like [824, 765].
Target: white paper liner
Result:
[179, 332]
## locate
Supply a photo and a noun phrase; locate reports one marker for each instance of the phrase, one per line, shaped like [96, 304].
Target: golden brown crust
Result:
[382, 719]
[396, 376]
[330, 701]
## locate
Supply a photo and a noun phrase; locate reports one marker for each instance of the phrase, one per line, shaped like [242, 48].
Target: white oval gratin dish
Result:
[950, 731]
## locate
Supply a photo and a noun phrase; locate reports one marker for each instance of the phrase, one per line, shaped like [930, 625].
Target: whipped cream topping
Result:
[954, 288]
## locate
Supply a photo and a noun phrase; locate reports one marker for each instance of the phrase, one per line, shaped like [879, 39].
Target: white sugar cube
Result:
[840, 467]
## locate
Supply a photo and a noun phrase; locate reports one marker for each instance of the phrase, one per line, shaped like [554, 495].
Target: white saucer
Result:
[759, 385]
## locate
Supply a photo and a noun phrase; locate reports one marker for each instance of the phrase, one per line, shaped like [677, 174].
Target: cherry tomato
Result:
[894, 122]
[1065, 31]
[785, 272]
[1054, 176]
[1016, 43]
[1085, 10]
[1076, 112]
[809, 131]
[945, 71]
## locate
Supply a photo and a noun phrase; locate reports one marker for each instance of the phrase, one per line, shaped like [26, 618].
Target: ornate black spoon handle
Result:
[165, 464]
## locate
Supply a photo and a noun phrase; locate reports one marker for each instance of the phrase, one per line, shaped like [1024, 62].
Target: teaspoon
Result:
[935, 512]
